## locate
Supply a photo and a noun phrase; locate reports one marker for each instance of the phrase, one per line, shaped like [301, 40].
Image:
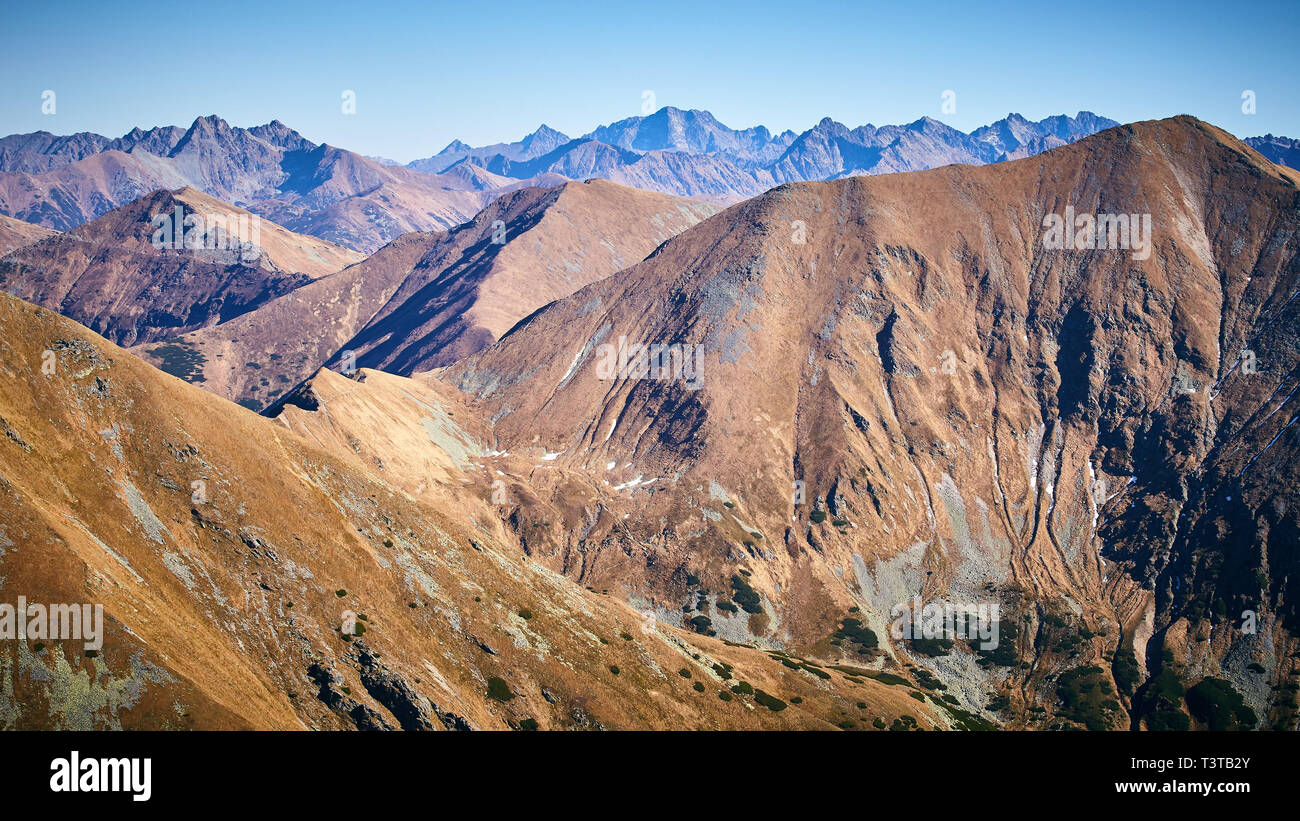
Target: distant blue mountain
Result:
[1281, 150]
[691, 153]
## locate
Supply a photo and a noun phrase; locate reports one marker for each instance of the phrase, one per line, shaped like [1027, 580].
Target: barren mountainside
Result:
[1092, 438]
[865, 392]
[16, 233]
[426, 299]
[254, 579]
[527, 249]
[112, 276]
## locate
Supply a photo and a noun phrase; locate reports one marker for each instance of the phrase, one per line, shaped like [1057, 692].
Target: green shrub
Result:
[746, 596]
[1160, 702]
[1167, 720]
[769, 701]
[1086, 696]
[1125, 669]
[853, 630]
[498, 689]
[1004, 655]
[816, 671]
[932, 647]
[181, 360]
[1218, 704]
[928, 680]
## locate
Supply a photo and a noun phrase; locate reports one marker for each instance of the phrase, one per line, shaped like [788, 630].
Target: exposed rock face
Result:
[42, 151]
[542, 141]
[62, 182]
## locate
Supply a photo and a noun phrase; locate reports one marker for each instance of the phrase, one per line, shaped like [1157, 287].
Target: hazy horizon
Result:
[581, 65]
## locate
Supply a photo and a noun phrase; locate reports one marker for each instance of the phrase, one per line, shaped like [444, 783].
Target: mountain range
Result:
[886, 386]
[1281, 150]
[427, 299]
[361, 203]
[62, 182]
[690, 153]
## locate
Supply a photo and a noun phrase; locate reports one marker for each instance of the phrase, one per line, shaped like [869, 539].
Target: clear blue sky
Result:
[425, 73]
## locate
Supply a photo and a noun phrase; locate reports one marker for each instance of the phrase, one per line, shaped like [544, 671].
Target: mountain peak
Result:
[280, 135]
[926, 123]
[543, 140]
[668, 111]
[210, 123]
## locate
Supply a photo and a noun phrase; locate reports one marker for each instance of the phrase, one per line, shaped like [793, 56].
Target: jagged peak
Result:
[455, 146]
